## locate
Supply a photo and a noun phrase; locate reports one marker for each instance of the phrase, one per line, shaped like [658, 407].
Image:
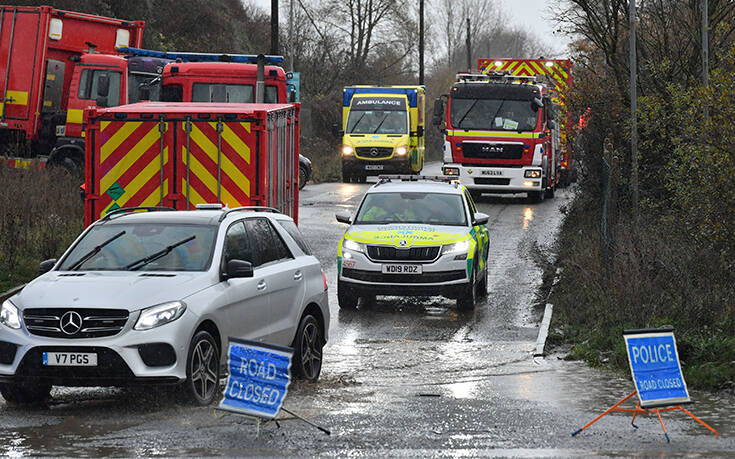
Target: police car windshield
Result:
[494, 114]
[434, 208]
[130, 242]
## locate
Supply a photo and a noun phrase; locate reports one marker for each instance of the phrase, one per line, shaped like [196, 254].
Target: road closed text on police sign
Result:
[654, 363]
[259, 376]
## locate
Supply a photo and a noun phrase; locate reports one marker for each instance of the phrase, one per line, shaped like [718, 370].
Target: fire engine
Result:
[502, 132]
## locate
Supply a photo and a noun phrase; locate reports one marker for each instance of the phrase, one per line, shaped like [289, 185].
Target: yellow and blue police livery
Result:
[413, 236]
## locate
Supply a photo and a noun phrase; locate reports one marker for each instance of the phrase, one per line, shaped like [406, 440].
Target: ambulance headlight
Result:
[457, 247]
[402, 150]
[347, 150]
[9, 315]
[535, 173]
[355, 246]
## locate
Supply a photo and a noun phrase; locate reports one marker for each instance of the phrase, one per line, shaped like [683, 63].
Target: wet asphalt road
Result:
[405, 377]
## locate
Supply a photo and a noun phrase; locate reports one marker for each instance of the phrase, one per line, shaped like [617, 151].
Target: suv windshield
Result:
[122, 245]
[435, 208]
[494, 114]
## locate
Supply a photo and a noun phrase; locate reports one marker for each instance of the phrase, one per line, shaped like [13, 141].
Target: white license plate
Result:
[373, 167]
[402, 269]
[70, 359]
[491, 172]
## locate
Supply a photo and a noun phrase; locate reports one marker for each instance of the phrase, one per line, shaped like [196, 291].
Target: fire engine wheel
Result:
[536, 196]
[550, 192]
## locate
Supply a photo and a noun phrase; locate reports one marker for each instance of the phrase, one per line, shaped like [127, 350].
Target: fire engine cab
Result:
[501, 134]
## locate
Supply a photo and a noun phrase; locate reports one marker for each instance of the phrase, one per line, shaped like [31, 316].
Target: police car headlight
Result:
[457, 247]
[532, 174]
[353, 245]
[161, 314]
[347, 150]
[9, 315]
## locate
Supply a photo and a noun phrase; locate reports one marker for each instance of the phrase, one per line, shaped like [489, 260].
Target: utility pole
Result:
[469, 47]
[633, 110]
[705, 51]
[274, 27]
[290, 36]
[421, 41]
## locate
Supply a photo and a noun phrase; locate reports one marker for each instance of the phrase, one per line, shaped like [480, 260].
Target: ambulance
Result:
[382, 131]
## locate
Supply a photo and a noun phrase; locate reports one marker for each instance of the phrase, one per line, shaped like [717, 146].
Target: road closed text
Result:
[250, 390]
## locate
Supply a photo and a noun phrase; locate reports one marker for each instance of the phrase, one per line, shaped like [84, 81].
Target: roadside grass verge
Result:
[40, 215]
[655, 276]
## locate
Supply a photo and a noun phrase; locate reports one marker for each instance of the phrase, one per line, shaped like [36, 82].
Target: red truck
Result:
[502, 131]
[183, 154]
[53, 64]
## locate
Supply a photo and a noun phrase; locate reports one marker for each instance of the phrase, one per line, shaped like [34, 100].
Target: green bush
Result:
[40, 215]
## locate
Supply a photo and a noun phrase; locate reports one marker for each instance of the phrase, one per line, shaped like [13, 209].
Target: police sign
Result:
[654, 364]
[259, 376]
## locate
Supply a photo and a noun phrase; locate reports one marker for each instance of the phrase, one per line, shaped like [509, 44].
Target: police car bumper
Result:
[497, 179]
[154, 356]
[446, 276]
[373, 167]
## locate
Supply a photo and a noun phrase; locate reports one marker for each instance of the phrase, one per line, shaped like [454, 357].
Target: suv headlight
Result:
[457, 247]
[9, 315]
[160, 314]
[353, 245]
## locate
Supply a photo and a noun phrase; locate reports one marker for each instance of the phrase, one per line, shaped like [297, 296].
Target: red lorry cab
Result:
[40, 47]
[225, 82]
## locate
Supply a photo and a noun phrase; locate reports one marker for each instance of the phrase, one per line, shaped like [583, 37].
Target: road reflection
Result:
[527, 217]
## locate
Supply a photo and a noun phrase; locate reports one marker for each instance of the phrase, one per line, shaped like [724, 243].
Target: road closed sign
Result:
[654, 363]
[258, 380]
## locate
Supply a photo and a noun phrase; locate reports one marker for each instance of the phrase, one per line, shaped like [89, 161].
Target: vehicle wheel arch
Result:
[314, 310]
[209, 326]
[72, 152]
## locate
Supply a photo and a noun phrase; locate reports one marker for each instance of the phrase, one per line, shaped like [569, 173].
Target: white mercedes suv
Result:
[151, 297]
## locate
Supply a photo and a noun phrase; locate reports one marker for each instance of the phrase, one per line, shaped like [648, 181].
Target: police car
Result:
[413, 236]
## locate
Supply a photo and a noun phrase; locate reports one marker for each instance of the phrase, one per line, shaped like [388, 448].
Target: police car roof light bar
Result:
[415, 178]
[201, 57]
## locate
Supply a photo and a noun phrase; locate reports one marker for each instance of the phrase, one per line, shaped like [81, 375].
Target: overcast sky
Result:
[524, 13]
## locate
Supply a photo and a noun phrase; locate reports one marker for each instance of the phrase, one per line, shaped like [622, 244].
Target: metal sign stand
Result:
[259, 420]
[638, 410]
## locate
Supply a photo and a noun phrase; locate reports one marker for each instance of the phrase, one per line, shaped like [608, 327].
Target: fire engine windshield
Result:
[494, 114]
[231, 93]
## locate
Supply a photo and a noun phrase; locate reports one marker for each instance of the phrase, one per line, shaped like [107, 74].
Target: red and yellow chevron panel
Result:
[129, 165]
[236, 159]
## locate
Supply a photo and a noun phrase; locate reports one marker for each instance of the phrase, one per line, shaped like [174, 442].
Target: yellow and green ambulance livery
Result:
[382, 131]
[413, 236]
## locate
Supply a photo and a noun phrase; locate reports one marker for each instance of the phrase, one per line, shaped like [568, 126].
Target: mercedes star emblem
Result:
[373, 152]
[71, 323]
[402, 243]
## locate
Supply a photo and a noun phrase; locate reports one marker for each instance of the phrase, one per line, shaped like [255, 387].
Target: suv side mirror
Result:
[480, 219]
[46, 266]
[420, 131]
[343, 217]
[237, 269]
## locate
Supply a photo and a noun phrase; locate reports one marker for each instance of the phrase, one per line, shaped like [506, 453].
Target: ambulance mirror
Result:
[436, 119]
